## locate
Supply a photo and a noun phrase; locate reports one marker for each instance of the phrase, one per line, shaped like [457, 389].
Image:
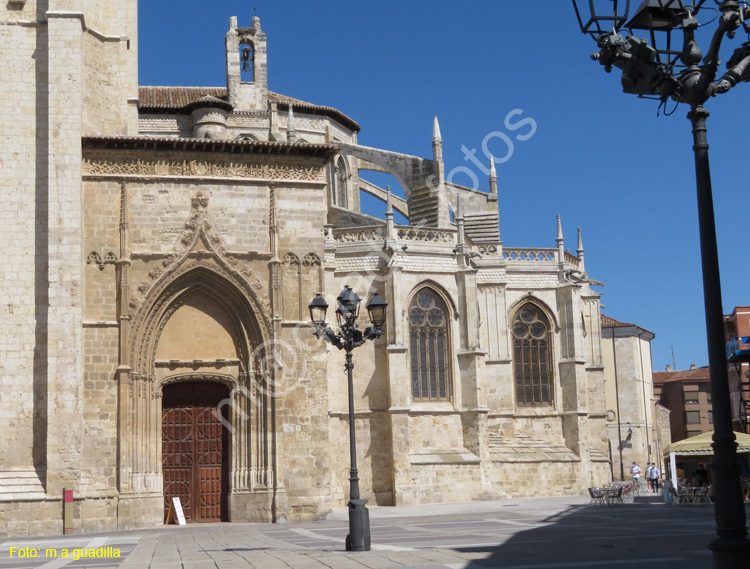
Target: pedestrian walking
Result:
[649, 477]
[635, 471]
[656, 476]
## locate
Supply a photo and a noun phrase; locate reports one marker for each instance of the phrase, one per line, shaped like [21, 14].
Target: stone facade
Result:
[210, 218]
[635, 420]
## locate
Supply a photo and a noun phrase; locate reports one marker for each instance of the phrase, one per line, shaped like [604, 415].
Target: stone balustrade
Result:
[426, 235]
[572, 260]
[359, 234]
[530, 255]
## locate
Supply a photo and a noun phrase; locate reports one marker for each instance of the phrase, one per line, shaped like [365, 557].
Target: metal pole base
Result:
[729, 552]
[359, 526]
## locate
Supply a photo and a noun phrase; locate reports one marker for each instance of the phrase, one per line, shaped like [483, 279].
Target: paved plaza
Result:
[532, 533]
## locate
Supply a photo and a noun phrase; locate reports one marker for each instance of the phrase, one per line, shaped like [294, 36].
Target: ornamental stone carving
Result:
[488, 250]
[311, 260]
[218, 168]
[427, 235]
[530, 254]
[94, 258]
[359, 235]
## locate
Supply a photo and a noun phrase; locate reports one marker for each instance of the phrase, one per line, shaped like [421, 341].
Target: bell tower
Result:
[247, 75]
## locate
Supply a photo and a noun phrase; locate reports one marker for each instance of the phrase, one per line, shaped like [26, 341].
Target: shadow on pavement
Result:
[644, 533]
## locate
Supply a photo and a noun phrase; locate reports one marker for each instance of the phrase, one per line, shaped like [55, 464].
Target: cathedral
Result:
[160, 345]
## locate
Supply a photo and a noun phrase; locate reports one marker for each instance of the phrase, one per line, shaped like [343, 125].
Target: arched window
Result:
[532, 357]
[429, 346]
[341, 189]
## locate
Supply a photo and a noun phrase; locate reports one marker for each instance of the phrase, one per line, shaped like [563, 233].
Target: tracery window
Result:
[532, 357]
[429, 346]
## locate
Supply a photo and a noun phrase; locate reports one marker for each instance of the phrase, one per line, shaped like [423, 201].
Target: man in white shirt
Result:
[655, 476]
[649, 477]
[635, 470]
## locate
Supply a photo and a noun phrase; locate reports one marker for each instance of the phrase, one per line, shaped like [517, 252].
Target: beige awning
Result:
[701, 444]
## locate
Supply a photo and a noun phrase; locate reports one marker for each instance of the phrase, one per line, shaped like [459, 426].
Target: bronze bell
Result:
[246, 58]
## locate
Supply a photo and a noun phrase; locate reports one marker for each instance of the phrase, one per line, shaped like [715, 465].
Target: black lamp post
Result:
[348, 338]
[686, 76]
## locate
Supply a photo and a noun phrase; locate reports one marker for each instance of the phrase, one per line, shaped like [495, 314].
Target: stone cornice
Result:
[119, 159]
[302, 149]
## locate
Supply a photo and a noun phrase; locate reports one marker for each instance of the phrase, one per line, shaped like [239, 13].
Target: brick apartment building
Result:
[687, 394]
[737, 332]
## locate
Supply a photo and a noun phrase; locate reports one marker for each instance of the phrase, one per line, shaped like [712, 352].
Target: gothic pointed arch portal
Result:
[198, 328]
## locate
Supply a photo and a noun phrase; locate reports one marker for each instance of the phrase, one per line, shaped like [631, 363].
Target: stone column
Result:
[64, 220]
[280, 504]
[123, 368]
[399, 377]
[471, 364]
[574, 379]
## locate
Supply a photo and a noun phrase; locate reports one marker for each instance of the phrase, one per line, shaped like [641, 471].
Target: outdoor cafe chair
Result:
[628, 493]
[614, 495]
[678, 496]
[701, 495]
[597, 497]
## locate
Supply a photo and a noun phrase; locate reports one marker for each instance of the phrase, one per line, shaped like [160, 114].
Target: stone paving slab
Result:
[520, 534]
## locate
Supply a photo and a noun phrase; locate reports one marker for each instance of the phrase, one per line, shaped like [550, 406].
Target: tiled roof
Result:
[608, 322]
[174, 98]
[209, 101]
[697, 374]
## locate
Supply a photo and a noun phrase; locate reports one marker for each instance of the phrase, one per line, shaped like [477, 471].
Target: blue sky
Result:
[601, 159]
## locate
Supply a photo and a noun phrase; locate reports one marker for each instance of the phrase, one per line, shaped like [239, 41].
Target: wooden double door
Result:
[195, 450]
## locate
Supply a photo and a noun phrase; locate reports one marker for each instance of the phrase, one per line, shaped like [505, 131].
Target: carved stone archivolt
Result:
[174, 285]
[247, 272]
[224, 379]
[218, 167]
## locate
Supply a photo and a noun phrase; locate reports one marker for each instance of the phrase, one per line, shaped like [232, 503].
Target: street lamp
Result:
[660, 72]
[348, 338]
